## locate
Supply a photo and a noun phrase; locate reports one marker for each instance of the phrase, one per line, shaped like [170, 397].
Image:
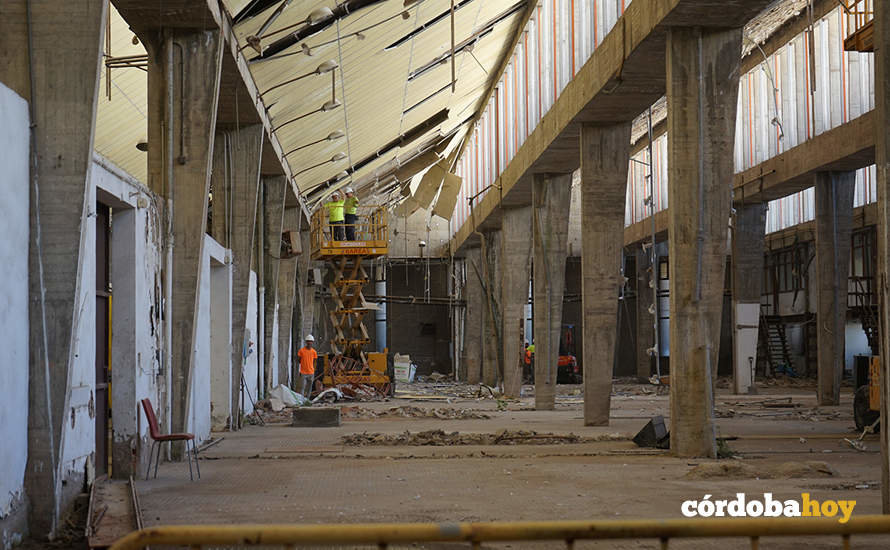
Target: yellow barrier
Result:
[475, 533]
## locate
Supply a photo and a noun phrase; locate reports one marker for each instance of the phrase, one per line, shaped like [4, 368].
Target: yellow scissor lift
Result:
[350, 363]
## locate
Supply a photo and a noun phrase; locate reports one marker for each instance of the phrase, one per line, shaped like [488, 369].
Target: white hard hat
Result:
[310, 338]
[349, 190]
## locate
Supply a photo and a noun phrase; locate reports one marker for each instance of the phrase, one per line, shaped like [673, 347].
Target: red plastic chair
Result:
[158, 439]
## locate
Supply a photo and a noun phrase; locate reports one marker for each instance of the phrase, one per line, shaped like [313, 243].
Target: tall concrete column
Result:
[180, 160]
[882, 162]
[551, 197]
[475, 310]
[489, 271]
[63, 107]
[287, 281]
[605, 154]
[702, 89]
[273, 193]
[748, 242]
[245, 151]
[515, 273]
[834, 223]
[646, 320]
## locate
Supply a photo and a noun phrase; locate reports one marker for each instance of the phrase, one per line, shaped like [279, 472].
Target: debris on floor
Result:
[442, 438]
[736, 469]
[407, 411]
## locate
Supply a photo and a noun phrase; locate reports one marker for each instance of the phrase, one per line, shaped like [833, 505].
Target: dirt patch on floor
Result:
[734, 469]
[407, 411]
[442, 438]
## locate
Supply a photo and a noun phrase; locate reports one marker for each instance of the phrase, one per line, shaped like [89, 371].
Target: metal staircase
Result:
[774, 343]
[866, 310]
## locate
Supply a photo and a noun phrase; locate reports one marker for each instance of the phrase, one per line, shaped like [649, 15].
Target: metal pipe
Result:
[653, 254]
[168, 302]
[402, 533]
[261, 293]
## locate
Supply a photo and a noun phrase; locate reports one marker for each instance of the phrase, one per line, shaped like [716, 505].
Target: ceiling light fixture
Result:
[325, 67]
[328, 106]
[333, 136]
[336, 158]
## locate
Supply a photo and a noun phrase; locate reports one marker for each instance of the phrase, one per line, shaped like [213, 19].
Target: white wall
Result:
[199, 405]
[14, 197]
[79, 428]
[250, 364]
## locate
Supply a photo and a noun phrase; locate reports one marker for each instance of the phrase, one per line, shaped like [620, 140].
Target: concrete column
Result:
[749, 231]
[489, 271]
[702, 86]
[273, 217]
[475, 311]
[245, 150]
[551, 196]
[515, 272]
[645, 329]
[287, 280]
[834, 223]
[605, 154]
[194, 61]
[63, 107]
[882, 162]
[220, 207]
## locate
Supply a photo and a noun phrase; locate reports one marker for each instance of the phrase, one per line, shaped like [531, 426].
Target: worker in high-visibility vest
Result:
[336, 216]
[350, 207]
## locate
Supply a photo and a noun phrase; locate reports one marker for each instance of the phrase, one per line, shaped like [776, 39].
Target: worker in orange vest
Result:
[307, 356]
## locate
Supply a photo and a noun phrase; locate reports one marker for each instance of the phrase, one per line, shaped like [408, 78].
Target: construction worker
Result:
[307, 355]
[335, 216]
[350, 207]
[529, 362]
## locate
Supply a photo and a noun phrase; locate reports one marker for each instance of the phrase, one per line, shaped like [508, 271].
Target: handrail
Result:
[475, 533]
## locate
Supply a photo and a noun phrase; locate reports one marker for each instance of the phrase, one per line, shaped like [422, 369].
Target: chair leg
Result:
[188, 455]
[151, 453]
[158, 458]
[197, 466]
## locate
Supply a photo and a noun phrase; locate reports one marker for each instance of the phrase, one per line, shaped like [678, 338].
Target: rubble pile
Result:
[442, 438]
[407, 411]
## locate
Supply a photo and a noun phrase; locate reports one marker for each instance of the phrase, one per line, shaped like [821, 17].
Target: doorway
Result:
[103, 339]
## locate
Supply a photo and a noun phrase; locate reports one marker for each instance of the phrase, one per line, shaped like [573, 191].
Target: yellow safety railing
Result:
[370, 226]
[859, 12]
[383, 535]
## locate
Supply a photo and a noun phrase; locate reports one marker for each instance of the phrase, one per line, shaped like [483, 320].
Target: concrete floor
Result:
[279, 474]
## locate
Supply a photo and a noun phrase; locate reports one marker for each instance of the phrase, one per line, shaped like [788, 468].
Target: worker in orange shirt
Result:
[307, 355]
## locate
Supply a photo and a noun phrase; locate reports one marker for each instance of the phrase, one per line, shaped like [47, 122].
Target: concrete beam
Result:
[551, 201]
[180, 160]
[287, 281]
[834, 224]
[273, 194]
[515, 273]
[245, 151]
[882, 160]
[702, 84]
[61, 84]
[473, 327]
[748, 243]
[604, 165]
[489, 272]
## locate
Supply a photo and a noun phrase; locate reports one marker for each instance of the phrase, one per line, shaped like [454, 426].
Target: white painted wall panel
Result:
[14, 226]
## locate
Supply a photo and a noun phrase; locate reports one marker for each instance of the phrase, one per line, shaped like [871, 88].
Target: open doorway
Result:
[103, 339]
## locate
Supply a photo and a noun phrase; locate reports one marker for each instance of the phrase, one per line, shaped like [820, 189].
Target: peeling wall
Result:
[14, 197]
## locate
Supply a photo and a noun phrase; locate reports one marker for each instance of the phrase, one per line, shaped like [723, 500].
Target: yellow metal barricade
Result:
[383, 535]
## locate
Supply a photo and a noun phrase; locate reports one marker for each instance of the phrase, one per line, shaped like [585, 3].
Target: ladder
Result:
[774, 342]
